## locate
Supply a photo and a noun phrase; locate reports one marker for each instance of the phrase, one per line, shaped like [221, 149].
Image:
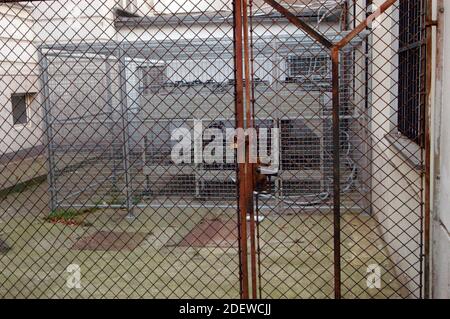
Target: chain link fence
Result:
[99, 96]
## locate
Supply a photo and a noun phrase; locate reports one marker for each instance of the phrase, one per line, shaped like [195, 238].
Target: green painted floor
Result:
[296, 255]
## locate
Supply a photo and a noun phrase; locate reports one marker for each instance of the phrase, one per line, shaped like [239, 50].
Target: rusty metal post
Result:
[336, 173]
[241, 167]
[250, 167]
[256, 198]
[437, 119]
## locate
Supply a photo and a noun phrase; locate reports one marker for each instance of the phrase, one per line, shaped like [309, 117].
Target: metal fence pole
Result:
[242, 167]
[48, 123]
[125, 132]
[111, 118]
[336, 174]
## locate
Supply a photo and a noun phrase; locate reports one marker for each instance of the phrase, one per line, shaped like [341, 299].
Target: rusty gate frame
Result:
[246, 170]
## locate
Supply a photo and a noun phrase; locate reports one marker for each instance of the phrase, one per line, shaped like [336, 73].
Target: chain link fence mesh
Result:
[92, 93]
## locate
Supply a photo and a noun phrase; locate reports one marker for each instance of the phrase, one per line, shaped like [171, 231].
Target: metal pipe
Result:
[437, 120]
[250, 166]
[125, 131]
[256, 206]
[43, 62]
[110, 112]
[336, 174]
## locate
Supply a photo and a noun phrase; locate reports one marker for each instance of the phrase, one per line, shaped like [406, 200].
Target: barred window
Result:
[412, 63]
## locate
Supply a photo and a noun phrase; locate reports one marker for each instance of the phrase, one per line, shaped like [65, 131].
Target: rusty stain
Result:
[110, 241]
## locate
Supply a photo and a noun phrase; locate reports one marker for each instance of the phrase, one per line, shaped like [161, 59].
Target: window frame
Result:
[29, 98]
[412, 70]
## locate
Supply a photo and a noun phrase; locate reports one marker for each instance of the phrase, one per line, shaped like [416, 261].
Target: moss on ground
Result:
[71, 216]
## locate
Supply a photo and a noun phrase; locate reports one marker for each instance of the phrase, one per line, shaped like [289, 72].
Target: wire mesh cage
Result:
[129, 130]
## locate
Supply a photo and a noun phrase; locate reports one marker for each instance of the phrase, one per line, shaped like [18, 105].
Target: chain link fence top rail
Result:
[93, 205]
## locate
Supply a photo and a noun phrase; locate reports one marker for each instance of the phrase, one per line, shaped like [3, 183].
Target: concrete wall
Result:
[74, 21]
[184, 6]
[396, 182]
[138, 7]
[441, 218]
[24, 28]
[204, 31]
[18, 74]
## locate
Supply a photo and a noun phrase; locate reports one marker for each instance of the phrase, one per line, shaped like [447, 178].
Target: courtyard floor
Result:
[183, 253]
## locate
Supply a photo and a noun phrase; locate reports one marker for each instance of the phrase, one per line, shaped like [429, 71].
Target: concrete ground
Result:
[296, 253]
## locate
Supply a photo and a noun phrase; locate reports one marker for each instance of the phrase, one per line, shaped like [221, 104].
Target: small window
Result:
[20, 105]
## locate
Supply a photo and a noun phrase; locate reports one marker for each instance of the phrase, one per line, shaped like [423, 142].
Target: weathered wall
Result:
[441, 218]
[18, 74]
[184, 6]
[74, 21]
[138, 7]
[396, 182]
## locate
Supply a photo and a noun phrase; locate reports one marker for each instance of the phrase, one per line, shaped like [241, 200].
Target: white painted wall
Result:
[202, 31]
[184, 6]
[74, 20]
[139, 7]
[18, 74]
[396, 184]
[441, 220]
[217, 69]
[23, 30]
